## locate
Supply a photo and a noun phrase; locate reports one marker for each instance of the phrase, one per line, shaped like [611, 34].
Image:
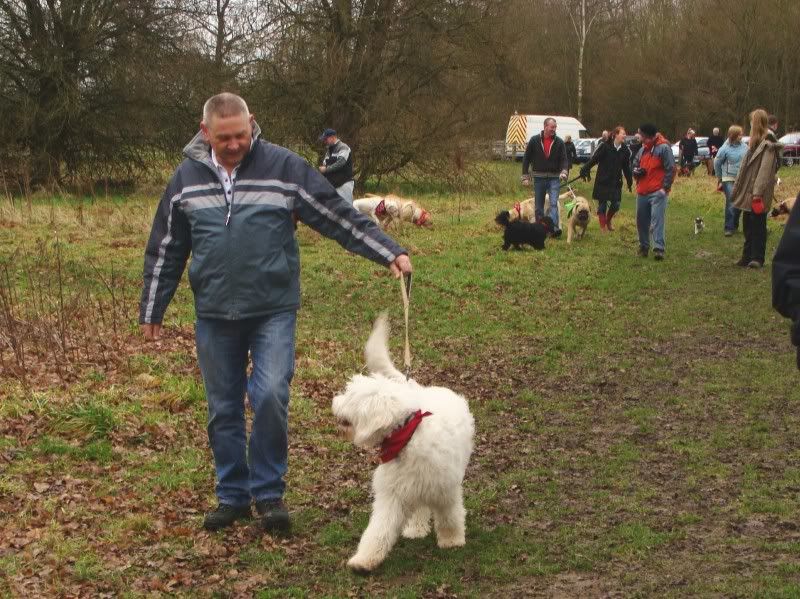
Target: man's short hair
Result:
[772, 121]
[548, 119]
[648, 130]
[224, 105]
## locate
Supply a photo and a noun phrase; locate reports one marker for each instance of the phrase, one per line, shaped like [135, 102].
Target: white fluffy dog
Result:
[424, 478]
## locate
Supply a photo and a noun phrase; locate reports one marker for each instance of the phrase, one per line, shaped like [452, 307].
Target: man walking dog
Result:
[546, 157]
[231, 203]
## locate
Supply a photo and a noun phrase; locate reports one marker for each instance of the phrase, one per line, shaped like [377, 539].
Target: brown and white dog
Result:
[526, 210]
[579, 218]
[388, 209]
[783, 208]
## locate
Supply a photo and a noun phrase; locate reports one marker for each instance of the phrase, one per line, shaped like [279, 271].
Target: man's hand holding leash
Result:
[401, 265]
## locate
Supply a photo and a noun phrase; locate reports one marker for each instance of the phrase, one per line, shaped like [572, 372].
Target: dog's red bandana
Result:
[518, 208]
[394, 443]
[422, 218]
[380, 209]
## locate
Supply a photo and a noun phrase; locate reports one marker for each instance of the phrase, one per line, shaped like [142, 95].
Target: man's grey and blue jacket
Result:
[245, 259]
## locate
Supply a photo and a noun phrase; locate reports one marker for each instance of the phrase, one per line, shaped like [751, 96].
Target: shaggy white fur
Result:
[425, 479]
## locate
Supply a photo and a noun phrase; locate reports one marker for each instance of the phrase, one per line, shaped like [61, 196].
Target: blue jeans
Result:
[541, 186]
[253, 470]
[731, 214]
[650, 213]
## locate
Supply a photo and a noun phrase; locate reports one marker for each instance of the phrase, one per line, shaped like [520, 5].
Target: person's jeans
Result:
[253, 470]
[755, 237]
[650, 215]
[346, 191]
[731, 213]
[541, 187]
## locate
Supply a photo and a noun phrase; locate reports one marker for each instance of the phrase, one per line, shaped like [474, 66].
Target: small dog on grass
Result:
[521, 211]
[526, 209]
[699, 225]
[783, 208]
[579, 217]
[425, 435]
[518, 233]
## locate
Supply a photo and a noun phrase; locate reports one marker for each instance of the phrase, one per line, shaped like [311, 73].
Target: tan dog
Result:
[579, 218]
[526, 210]
[388, 209]
[783, 208]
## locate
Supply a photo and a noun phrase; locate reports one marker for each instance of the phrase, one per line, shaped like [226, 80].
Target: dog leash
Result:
[405, 291]
[571, 181]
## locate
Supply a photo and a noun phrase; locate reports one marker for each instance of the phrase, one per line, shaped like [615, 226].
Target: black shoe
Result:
[643, 252]
[225, 515]
[556, 234]
[742, 262]
[274, 516]
[658, 254]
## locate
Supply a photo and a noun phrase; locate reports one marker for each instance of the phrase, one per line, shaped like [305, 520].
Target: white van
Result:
[521, 127]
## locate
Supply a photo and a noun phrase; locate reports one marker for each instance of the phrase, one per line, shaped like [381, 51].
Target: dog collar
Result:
[394, 443]
[380, 209]
[422, 218]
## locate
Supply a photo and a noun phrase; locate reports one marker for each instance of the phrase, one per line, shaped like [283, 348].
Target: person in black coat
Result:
[687, 150]
[572, 153]
[786, 275]
[613, 159]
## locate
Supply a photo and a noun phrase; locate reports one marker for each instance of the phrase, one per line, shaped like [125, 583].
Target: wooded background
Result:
[108, 88]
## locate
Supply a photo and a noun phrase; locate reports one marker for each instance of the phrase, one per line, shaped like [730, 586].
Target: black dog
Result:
[518, 233]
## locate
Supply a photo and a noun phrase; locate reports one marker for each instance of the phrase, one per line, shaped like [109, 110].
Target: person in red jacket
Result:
[653, 169]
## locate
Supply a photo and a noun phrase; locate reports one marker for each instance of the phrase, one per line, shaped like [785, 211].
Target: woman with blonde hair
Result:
[726, 166]
[754, 188]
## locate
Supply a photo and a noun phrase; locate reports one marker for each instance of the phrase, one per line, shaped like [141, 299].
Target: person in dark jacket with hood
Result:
[232, 205]
[613, 160]
[786, 275]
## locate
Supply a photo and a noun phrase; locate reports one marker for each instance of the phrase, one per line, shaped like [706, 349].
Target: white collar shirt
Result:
[227, 180]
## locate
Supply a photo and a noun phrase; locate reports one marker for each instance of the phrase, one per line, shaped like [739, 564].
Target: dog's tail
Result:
[376, 350]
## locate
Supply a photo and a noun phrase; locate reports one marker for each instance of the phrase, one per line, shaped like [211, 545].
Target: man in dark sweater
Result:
[546, 161]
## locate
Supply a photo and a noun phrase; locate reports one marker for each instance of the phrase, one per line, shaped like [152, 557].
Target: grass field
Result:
[637, 422]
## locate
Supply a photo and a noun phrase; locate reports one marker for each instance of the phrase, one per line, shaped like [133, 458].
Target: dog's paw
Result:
[449, 541]
[360, 565]
[416, 530]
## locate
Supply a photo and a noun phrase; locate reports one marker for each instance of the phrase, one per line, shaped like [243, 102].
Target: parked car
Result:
[584, 148]
[703, 153]
[791, 148]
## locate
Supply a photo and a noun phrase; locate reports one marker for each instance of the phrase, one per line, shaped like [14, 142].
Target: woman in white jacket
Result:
[726, 167]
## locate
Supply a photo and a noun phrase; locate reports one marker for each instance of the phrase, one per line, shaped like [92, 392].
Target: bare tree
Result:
[67, 82]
